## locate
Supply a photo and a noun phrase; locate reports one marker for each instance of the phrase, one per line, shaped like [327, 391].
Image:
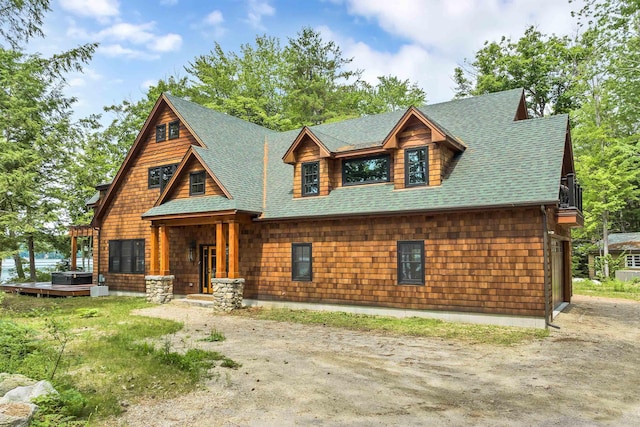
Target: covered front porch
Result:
[195, 254]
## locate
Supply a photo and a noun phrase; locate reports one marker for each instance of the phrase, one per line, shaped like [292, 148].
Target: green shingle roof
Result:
[623, 241]
[93, 199]
[506, 162]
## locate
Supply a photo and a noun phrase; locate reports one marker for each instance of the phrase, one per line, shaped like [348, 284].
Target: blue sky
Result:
[142, 41]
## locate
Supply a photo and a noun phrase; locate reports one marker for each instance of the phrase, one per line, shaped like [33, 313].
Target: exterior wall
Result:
[418, 137]
[181, 190]
[490, 262]
[122, 220]
[563, 233]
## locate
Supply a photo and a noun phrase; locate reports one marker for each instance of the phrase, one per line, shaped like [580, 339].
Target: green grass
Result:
[608, 289]
[111, 356]
[412, 326]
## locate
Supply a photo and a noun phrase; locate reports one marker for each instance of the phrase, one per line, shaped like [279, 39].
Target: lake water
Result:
[9, 267]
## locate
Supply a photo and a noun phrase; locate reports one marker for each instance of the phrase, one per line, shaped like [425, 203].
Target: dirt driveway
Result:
[585, 374]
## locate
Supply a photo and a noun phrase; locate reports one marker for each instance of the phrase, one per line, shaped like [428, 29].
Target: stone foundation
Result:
[159, 289]
[227, 294]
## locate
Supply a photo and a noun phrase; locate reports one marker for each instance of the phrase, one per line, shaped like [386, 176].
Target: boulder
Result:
[11, 381]
[16, 414]
[29, 392]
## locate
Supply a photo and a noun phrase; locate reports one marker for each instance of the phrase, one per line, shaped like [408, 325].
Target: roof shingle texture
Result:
[506, 162]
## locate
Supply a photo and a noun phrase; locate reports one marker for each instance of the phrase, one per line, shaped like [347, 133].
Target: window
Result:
[174, 130]
[126, 256]
[415, 167]
[311, 179]
[411, 263]
[159, 176]
[161, 132]
[633, 261]
[365, 170]
[196, 183]
[301, 262]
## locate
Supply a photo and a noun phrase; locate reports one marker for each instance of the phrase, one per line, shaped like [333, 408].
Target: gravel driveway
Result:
[585, 374]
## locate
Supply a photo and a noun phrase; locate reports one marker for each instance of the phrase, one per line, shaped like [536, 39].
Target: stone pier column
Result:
[159, 289]
[227, 293]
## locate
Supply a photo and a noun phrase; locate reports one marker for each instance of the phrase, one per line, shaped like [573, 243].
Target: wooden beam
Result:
[164, 250]
[153, 259]
[234, 232]
[221, 251]
[74, 253]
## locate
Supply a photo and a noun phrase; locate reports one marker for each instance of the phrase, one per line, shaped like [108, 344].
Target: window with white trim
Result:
[633, 261]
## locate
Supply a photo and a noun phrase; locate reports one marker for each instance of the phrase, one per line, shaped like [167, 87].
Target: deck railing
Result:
[570, 192]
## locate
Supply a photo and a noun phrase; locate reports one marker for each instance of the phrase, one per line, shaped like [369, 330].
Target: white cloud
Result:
[463, 25]
[98, 9]
[81, 79]
[117, 50]
[258, 9]
[145, 85]
[136, 34]
[440, 34]
[166, 43]
[214, 18]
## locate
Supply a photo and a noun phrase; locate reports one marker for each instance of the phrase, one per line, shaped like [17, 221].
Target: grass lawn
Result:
[608, 289]
[413, 326]
[107, 357]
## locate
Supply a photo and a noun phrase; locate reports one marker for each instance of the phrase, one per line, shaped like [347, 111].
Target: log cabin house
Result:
[460, 210]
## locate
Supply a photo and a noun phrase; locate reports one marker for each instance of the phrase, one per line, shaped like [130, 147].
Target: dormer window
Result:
[365, 170]
[196, 183]
[174, 130]
[161, 132]
[416, 171]
[311, 179]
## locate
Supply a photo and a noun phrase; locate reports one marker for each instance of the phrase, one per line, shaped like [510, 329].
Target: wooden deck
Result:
[47, 289]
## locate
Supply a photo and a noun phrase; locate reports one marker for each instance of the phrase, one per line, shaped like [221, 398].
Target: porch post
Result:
[74, 252]
[153, 261]
[221, 250]
[234, 231]
[164, 250]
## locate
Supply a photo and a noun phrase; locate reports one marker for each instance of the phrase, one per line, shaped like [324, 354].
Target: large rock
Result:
[16, 414]
[16, 409]
[11, 381]
[28, 392]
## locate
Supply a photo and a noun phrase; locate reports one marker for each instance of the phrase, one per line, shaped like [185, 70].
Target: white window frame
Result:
[633, 261]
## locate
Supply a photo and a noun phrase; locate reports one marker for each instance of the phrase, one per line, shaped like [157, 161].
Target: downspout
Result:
[545, 252]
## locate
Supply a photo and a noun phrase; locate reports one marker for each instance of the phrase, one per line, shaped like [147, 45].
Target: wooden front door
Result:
[557, 272]
[207, 267]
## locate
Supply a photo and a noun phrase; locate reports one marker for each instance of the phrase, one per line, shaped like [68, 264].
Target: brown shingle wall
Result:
[133, 197]
[308, 151]
[487, 262]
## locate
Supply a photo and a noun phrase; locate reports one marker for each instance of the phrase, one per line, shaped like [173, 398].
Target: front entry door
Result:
[207, 267]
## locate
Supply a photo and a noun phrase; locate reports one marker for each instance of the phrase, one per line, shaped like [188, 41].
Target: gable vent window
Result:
[174, 130]
[196, 183]
[416, 171]
[161, 132]
[311, 179]
[366, 170]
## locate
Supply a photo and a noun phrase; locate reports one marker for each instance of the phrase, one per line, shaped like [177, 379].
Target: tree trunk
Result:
[32, 259]
[0, 269]
[18, 262]
[605, 244]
